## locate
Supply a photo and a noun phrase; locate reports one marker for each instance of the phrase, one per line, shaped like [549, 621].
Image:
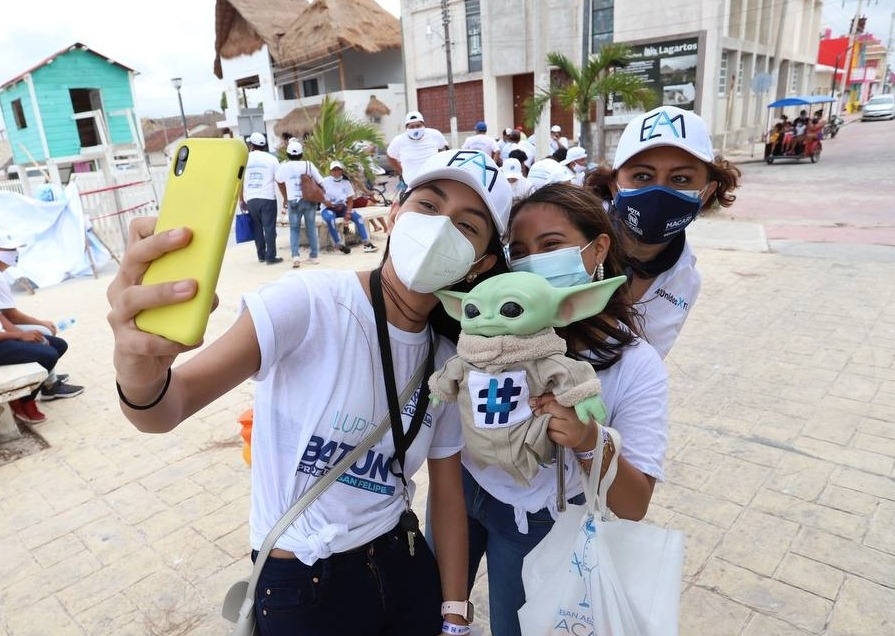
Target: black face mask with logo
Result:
[655, 214]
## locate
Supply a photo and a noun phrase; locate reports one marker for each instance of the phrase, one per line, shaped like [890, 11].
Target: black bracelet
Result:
[145, 407]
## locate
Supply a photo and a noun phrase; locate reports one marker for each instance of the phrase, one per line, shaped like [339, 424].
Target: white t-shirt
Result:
[635, 391]
[6, 298]
[290, 173]
[529, 149]
[482, 143]
[521, 187]
[413, 152]
[319, 390]
[667, 303]
[338, 191]
[258, 181]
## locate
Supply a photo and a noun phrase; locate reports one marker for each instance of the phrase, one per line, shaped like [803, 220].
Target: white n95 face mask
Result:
[428, 252]
[415, 133]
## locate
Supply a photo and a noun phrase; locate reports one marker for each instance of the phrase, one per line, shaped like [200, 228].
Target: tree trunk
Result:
[601, 136]
[588, 140]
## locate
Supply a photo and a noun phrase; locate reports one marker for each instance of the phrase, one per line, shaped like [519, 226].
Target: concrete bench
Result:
[368, 213]
[16, 381]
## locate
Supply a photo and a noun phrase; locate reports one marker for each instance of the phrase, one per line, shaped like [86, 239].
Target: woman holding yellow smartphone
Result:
[306, 330]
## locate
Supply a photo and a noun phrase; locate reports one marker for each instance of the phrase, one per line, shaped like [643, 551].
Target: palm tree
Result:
[593, 83]
[338, 136]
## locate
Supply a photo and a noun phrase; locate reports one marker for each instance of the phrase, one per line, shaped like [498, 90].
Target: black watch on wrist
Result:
[458, 608]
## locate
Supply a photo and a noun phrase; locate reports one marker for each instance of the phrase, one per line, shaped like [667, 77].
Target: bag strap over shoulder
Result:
[319, 486]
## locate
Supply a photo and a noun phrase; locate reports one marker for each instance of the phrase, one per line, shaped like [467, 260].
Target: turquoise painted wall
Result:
[75, 69]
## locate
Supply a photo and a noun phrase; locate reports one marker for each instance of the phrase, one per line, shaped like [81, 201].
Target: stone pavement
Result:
[780, 466]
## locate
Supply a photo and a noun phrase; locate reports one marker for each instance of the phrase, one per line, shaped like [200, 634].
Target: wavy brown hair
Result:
[724, 173]
[600, 334]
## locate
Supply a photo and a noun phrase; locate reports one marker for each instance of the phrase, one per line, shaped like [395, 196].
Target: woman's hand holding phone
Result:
[142, 359]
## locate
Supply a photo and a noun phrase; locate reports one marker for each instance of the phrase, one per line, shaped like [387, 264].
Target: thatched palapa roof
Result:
[299, 121]
[376, 108]
[329, 26]
[244, 26]
[296, 31]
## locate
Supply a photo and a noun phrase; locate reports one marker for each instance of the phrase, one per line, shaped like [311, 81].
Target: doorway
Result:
[84, 100]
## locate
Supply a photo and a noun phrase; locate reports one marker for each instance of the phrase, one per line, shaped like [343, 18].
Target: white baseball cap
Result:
[547, 171]
[479, 172]
[512, 168]
[294, 148]
[665, 126]
[555, 128]
[336, 164]
[574, 154]
[413, 116]
[257, 139]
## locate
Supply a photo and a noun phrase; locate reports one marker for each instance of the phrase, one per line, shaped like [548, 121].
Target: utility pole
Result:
[452, 104]
[849, 53]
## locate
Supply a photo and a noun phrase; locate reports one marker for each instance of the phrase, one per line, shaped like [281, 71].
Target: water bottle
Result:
[64, 324]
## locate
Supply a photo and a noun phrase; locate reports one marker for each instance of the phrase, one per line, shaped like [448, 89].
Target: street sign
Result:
[761, 83]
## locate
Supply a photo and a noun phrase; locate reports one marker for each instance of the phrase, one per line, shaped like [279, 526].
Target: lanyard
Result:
[402, 439]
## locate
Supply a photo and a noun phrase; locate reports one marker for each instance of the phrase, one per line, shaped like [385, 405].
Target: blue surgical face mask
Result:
[655, 214]
[561, 268]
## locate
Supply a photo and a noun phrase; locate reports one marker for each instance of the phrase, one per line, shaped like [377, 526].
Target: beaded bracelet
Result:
[144, 407]
[454, 630]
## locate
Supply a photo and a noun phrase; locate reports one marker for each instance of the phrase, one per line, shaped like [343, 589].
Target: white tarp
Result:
[55, 235]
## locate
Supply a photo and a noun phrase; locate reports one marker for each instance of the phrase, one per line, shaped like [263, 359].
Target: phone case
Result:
[203, 197]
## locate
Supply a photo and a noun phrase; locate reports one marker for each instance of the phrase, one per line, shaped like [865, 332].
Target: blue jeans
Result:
[329, 217]
[264, 225]
[46, 355]
[375, 590]
[493, 533]
[300, 209]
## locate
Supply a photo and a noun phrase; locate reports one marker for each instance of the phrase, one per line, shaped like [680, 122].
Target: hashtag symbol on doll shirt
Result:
[498, 400]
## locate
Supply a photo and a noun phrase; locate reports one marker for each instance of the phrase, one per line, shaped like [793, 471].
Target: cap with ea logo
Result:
[479, 172]
[665, 126]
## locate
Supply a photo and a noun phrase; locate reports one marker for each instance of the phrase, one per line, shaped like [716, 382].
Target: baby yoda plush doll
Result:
[509, 351]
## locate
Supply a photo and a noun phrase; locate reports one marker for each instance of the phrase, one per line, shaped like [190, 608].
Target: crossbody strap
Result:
[319, 486]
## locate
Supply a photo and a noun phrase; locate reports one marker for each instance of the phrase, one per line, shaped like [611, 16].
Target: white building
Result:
[726, 59]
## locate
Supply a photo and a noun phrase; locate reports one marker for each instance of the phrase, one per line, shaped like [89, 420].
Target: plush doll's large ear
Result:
[452, 302]
[581, 301]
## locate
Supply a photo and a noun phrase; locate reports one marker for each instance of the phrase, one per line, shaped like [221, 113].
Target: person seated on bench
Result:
[27, 339]
[338, 201]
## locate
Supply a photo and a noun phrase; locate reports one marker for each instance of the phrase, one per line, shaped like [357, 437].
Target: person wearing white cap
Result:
[576, 163]
[321, 348]
[555, 135]
[407, 151]
[546, 171]
[482, 142]
[338, 202]
[664, 174]
[259, 197]
[288, 178]
[518, 182]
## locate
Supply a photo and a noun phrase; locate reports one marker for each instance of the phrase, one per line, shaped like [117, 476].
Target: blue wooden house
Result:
[74, 104]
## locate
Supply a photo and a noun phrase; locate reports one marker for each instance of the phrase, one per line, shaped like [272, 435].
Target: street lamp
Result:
[177, 82]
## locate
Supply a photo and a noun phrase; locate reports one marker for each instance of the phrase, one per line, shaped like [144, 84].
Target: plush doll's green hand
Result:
[591, 409]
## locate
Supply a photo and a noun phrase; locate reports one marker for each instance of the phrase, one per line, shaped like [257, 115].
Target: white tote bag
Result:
[609, 578]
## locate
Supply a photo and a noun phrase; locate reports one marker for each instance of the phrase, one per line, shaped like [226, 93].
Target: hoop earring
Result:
[600, 272]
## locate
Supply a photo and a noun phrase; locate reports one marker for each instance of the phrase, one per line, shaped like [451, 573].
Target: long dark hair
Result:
[601, 334]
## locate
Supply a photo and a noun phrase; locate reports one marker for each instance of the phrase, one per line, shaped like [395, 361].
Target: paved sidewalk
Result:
[780, 466]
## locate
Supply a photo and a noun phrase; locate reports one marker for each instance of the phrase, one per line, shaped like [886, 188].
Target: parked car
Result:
[879, 107]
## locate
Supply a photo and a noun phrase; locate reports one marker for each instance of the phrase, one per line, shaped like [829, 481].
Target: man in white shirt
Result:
[288, 179]
[338, 202]
[555, 135]
[409, 150]
[483, 143]
[576, 162]
[259, 197]
[521, 186]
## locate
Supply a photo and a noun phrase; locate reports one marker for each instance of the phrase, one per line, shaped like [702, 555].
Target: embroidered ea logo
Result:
[475, 162]
[661, 124]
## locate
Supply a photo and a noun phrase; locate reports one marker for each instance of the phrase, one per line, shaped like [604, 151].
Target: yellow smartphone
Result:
[201, 193]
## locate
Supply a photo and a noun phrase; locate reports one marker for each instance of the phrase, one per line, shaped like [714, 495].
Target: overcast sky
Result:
[168, 38]
[159, 39]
